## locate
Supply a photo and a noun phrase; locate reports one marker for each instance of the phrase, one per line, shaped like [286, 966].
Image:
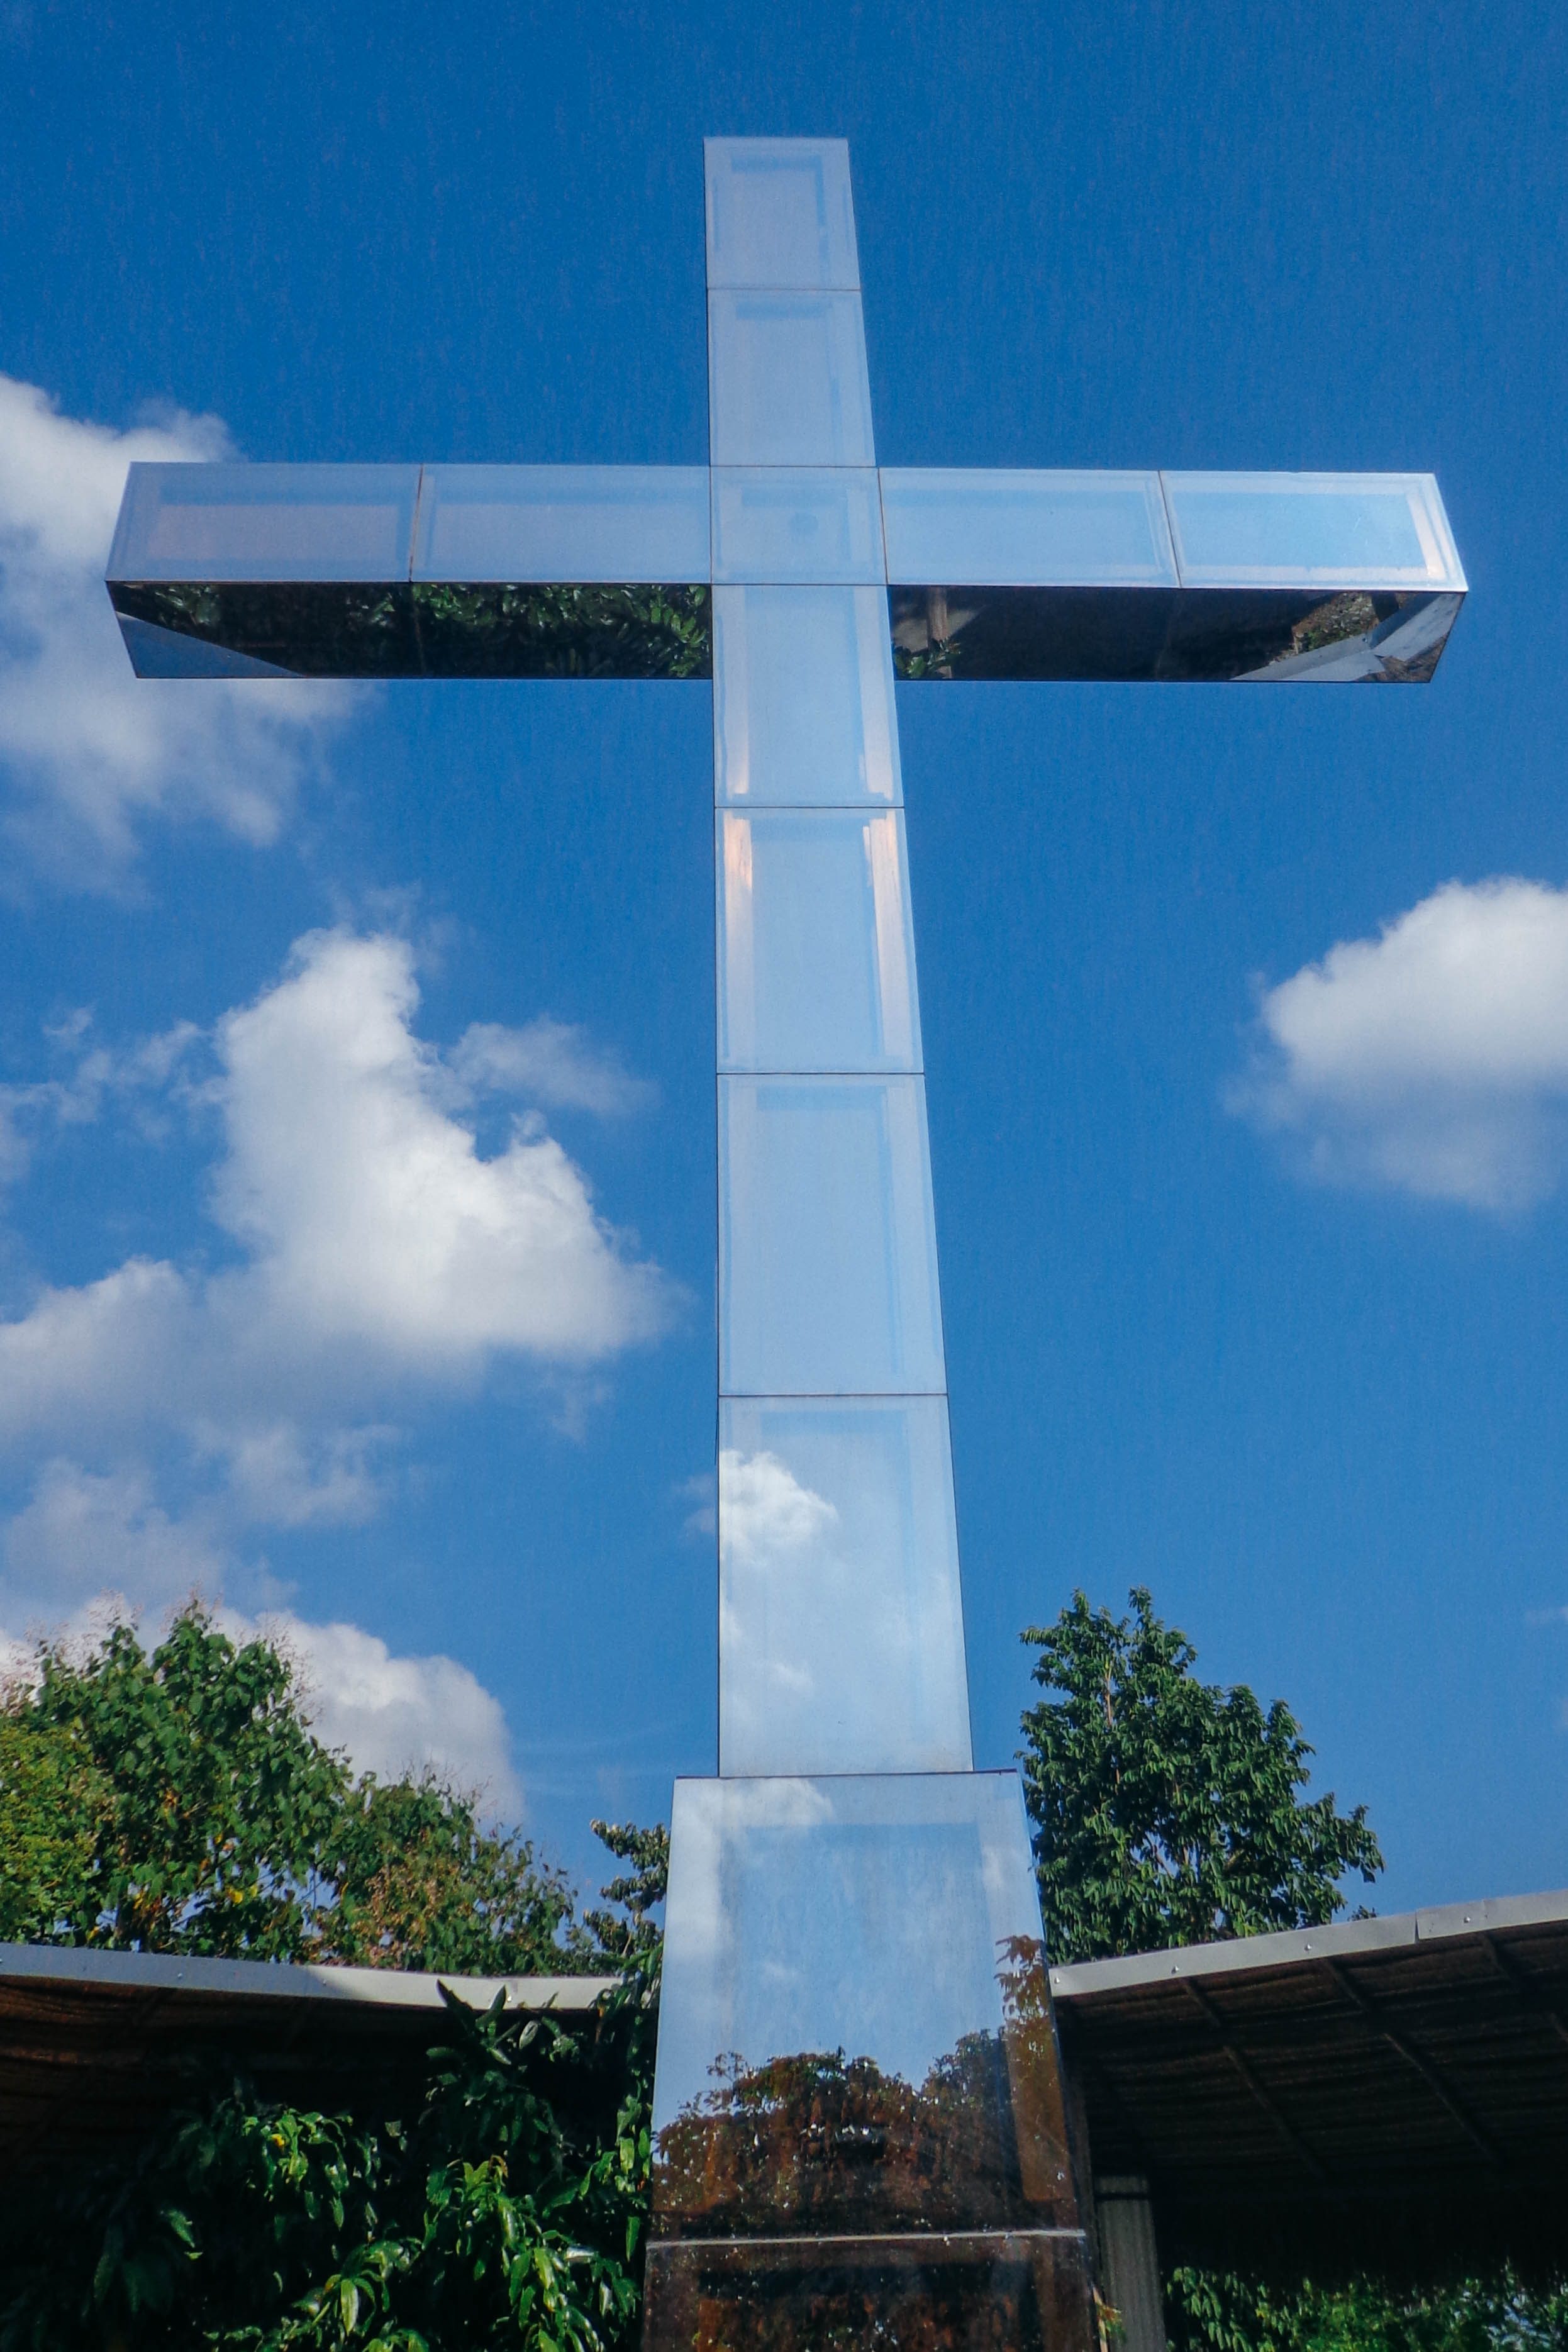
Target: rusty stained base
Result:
[972, 2291]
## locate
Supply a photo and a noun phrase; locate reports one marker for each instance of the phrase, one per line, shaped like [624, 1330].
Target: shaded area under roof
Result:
[95, 2046]
[1382, 2091]
[1385, 2092]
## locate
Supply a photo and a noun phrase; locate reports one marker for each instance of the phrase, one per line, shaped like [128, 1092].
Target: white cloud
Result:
[368, 1213]
[92, 751]
[379, 1249]
[84, 1531]
[389, 1714]
[395, 1715]
[551, 1062]
[1433, 1059]
[94, 1075]
[278, 1476]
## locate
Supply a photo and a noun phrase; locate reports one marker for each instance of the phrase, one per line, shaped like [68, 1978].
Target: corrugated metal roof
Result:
[1422, 2055]
[93, 2045]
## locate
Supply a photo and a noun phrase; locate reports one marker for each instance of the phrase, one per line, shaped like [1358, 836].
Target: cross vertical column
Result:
[840, 1623]
[858, 2124]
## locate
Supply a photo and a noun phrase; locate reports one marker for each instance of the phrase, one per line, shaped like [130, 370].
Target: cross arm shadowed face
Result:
[606, 571]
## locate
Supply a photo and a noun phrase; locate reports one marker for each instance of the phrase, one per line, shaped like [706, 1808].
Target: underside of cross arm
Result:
[609, 571]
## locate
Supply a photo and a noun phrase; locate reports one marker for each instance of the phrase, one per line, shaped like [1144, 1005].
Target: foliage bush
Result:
[1215, 2311]
[508, 2208]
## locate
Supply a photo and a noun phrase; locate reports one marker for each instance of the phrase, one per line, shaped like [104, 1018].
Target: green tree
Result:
[420, 1884]
[1166, 1810]
[208, 1800]
[53, 1805]
[178, 1800]
[637, 1941]
[1216, 2311]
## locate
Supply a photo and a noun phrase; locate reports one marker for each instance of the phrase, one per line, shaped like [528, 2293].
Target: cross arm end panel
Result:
[1306, 578]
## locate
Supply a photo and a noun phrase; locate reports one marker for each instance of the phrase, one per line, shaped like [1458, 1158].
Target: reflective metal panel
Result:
[780, 214]
[306, 628]
[1028, 2291]
[1298, 635]
[841, 1629]
[610, 523]
[1025, 529]
[568, 630]
[827, 1246]
[428, 629]
[787, 380]
[265, 522]
[1030, 633]
[1351, 640]
[795, 523]
[166, 653]
[803, 696]
[1331, 531]
[816, 952]
[855, 2029]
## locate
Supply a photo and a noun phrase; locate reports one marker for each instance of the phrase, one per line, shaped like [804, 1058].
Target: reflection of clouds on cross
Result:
[767, 1515]
[837, 1547]
[863, 1914]
[771, 1526]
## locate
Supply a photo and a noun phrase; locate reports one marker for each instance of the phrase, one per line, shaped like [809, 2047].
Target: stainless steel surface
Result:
[778, 213]
[841, 1638]
[859, 1957]
[787, 380]
[193, 522]
[782, 524]
[600, 523]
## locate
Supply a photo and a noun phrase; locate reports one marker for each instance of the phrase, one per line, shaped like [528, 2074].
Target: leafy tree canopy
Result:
[1166, 1810]
[636, 1941]
[176, 1800]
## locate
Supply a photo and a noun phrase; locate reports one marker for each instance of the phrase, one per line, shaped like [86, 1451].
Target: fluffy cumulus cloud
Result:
[368, 1213]
[395, 1715]
[378, 1249]
[374, 1254]
[89, 751]
[83, 1531]
[1433, 1059]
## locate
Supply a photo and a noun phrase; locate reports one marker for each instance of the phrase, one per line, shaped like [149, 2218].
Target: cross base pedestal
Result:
[859, 2134]
[973, 2290]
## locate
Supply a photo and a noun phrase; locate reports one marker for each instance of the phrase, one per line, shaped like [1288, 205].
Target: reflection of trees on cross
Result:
[979, 633]
[433, 629]
[978, 2144]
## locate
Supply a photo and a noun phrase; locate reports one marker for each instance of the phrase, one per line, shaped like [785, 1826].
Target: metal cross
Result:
[847, 1881]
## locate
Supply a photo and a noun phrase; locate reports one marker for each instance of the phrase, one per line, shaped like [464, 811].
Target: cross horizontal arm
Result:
[559, 570]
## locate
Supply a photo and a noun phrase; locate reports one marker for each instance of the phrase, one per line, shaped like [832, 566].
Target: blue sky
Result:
[1246, 1014]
